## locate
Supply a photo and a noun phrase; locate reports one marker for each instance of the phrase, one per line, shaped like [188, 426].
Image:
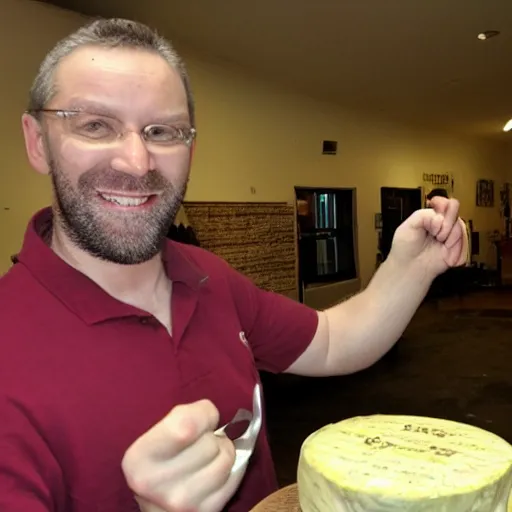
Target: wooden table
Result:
[283, 500]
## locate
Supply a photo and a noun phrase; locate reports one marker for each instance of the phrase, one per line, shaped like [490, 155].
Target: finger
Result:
[455, 234]
[218, 499]
[427, 220]
[450, 210]
[436, 225]
[191, 491]
[189, 422]
[212, 477]
[178, 470]
[420, 219]
[179, 429]
[458, 234]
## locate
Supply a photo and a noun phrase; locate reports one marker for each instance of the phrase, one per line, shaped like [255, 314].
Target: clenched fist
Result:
[181, 465]
[432, 239]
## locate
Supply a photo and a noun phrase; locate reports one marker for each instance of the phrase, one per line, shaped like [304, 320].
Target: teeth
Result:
[126, 201]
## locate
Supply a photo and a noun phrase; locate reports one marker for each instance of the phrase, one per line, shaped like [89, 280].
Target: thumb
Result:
[178, 430]
[427, 220]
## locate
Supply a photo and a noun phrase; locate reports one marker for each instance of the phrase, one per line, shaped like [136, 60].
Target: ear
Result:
[34, 144]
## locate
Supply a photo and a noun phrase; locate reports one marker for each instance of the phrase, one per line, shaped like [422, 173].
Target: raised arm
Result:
[356, 333]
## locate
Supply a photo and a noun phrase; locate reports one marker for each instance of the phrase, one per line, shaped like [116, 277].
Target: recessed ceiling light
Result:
[483, 36]
[508, 126]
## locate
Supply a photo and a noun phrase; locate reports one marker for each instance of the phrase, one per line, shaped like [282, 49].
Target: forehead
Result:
[127, 81]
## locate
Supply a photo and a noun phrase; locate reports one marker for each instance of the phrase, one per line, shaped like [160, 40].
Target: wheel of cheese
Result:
[386, 463]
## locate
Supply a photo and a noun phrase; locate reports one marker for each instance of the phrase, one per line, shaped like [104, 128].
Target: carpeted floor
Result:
[453, 362]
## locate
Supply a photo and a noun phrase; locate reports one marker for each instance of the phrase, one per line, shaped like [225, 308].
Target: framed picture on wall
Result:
[485, 193]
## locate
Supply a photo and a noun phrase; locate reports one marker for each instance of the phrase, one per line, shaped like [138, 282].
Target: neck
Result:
[124, 282]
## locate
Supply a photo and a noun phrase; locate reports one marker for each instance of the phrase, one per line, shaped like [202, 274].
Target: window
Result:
[326, 235]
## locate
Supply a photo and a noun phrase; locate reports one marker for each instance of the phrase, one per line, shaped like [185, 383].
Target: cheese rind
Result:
[404, 463]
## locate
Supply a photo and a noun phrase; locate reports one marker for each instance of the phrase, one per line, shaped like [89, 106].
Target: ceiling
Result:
[418, 61]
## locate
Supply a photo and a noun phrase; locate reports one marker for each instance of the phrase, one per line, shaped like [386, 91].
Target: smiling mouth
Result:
[126, 200]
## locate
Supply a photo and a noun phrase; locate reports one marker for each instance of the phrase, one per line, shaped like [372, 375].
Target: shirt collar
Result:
[79, 293]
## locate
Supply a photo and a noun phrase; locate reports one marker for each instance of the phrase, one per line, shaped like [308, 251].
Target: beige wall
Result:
[251, 134]
[27, 30]
[254, 135]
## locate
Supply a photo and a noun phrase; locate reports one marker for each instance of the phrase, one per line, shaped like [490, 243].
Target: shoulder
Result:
[223, 279]
[20, 301]
[13, 284]
[21, 297]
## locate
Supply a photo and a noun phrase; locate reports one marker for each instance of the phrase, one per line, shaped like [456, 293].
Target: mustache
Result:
[111, 179]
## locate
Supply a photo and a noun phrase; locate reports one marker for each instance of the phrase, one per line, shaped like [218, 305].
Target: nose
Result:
[132, 156]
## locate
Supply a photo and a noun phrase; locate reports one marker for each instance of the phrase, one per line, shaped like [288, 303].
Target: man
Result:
[123, 352]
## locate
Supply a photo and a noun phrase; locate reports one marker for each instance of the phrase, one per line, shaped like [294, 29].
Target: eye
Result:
[165, 134]
[161, 133]
[94, 127]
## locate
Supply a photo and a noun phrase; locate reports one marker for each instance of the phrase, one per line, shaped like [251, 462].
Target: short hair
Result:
[107, 33]
[437, 192]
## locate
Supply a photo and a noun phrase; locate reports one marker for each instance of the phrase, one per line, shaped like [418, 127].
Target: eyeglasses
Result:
[98, 129]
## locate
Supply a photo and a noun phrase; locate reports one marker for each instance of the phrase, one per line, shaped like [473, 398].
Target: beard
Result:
[122, 237]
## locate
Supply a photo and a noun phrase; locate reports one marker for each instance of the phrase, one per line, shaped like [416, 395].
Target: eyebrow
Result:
[95, 107]
[181, 117]
[90, 106]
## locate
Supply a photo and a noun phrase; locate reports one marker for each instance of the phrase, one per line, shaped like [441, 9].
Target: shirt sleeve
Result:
[278, 329]
[30, 477]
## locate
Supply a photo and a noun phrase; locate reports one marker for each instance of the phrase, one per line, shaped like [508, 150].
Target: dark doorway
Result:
[396, 205]
[326, 235]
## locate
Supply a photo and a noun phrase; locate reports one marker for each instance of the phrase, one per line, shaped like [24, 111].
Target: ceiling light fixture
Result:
[508, 126]
[483, 36]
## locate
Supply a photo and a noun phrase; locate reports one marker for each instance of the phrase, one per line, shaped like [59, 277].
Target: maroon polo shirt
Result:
[83, 375]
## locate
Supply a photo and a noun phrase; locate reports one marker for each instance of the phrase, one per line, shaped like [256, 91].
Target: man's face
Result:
[116, 198]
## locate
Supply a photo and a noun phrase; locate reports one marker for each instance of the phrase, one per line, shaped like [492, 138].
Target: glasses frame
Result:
[185, 138]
